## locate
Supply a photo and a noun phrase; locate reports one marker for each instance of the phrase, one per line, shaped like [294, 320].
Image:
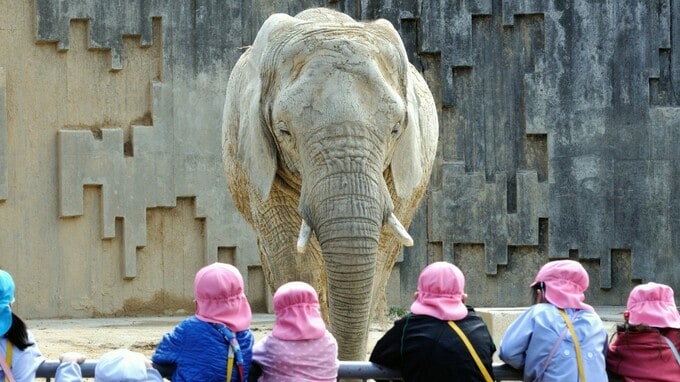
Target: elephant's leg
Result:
[278, 222]
[387, 256]
[390, 248]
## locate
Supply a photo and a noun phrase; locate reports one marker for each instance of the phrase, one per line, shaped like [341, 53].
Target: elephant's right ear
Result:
[256, 149]
[246, 107]
[248, 148]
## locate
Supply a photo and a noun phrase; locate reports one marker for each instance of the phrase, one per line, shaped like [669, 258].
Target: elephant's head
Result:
[327, 113]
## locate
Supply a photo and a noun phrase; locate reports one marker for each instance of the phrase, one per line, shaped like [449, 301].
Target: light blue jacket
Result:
[529, 341]
[24, 362]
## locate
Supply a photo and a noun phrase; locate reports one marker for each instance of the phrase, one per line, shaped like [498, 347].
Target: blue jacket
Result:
[540, 330]
[199, 352]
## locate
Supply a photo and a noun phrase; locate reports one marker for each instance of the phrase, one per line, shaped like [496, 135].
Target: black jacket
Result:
[426, 349]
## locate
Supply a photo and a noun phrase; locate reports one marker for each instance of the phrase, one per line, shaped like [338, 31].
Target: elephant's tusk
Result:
[303, 238]
[399, 230]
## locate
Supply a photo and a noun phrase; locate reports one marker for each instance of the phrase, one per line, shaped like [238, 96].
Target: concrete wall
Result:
[558, 126]
[559, 130]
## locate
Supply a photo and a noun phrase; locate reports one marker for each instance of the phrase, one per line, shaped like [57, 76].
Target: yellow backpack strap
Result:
[230, 363]
[7, 363]
[472, 351]
[577, 346]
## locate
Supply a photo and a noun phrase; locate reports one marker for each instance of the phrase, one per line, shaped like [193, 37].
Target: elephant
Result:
[329, 138]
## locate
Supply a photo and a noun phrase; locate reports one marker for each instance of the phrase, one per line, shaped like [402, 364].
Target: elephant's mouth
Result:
[392, 222]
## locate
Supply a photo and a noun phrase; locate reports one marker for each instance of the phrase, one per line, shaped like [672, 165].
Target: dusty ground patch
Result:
[94, 337]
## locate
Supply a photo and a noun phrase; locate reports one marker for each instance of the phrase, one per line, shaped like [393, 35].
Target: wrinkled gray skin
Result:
[329, 139]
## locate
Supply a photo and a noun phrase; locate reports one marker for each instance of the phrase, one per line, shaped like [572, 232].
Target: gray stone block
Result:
[4, 182]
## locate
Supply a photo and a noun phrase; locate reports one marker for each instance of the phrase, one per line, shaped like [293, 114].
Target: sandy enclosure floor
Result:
[94, 337]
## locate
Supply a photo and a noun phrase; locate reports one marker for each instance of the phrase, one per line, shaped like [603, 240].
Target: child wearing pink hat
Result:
[299, 347]
[645, 347]
[19, 354]
[429, 343]
[559, 338]
[216, 343]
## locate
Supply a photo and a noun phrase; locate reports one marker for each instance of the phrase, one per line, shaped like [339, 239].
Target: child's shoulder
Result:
[191, 320]
[549, 312]
[245, 333]
[541, 311]
[191, 323]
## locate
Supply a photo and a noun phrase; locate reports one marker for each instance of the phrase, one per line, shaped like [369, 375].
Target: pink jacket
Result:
[644, 356]
[313, 360]
[299, 347]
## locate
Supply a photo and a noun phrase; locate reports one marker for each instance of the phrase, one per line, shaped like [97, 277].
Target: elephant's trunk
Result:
[346, 213]
[350, 290]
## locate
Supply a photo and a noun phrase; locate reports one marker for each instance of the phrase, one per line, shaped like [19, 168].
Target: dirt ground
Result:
[94, 337]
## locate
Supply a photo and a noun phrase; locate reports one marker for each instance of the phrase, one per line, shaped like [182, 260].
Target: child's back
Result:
[541, 342]
[299, 347]
[645, 346]
[217, 339]
[18, 349]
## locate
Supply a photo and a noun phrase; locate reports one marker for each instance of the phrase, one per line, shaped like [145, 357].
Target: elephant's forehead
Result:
[327, 80]
[356, 51]
[336, 96]
[329, 64]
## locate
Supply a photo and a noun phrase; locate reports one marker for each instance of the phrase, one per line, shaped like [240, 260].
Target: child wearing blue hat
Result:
[20, 356]
[120, 365]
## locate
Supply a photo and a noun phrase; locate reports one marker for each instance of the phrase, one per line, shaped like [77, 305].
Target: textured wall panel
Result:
[3, 136]
[558, 132]
[554, 97]
[179, 154]
[447, 28]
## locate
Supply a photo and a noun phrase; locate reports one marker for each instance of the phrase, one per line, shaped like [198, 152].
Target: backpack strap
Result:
[577, 346]
[230, 363]
[6, 363]
[673, 348]
[473, 352]
[234, 351]
[552, 353]
[403, 335]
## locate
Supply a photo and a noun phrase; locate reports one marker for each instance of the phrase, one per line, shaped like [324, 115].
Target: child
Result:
[114, 366]
[642, 349]
[541, 339]
[20, 356]
[215, 344]
[299, 347]
[428, 344]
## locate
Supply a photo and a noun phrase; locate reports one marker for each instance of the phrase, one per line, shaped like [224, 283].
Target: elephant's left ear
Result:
[415, 151]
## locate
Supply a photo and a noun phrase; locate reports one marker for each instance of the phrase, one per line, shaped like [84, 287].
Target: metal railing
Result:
[348, 370]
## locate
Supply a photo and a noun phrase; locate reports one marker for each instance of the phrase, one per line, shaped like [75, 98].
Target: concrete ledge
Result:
[498, 320]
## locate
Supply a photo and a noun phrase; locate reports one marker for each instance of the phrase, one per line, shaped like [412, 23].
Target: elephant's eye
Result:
[396, 129]
[282, 127]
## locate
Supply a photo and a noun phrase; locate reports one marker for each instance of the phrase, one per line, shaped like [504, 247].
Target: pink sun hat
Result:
[440, 292]
[298, 314]
[565, 284]
[654, 305]
[218, 290]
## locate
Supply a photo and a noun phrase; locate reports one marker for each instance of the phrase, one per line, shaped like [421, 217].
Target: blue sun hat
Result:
[6, 298]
